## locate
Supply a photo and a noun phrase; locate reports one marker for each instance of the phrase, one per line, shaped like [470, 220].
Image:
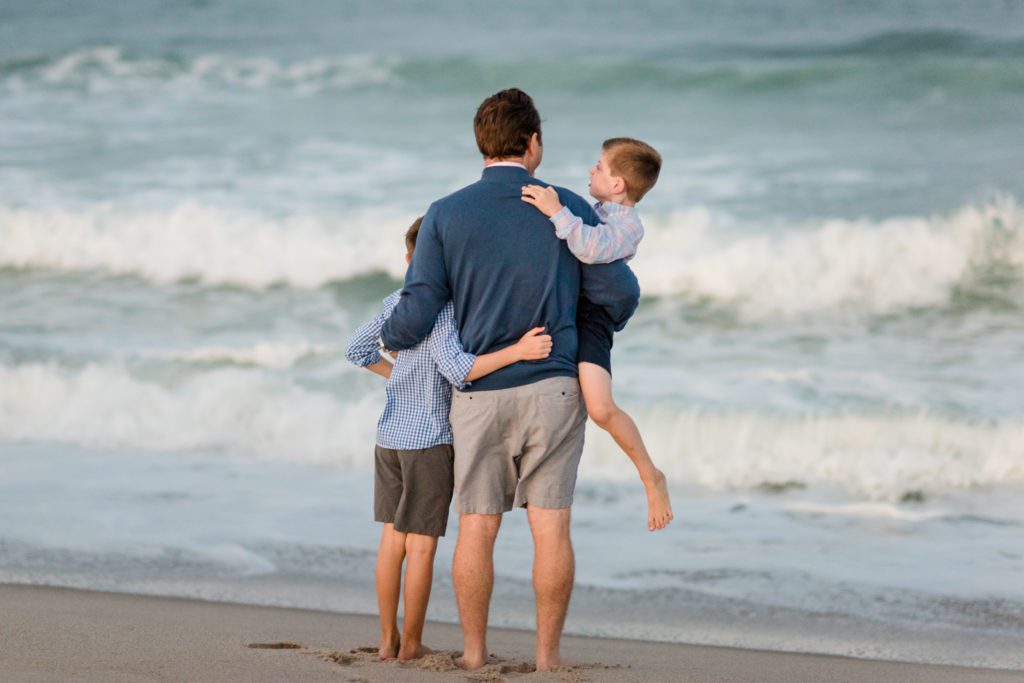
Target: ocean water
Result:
[200, 201]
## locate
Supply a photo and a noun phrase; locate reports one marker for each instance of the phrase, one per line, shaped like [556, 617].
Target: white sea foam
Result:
[869, 510]
[105, 68]
[878, 267]
[213, 245]
[250, 413]
[274, 355]
[872, 267]
[226, 410]
[878, 456]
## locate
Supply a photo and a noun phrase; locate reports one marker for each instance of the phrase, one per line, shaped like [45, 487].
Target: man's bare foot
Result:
[388, 649]
[548, 663]
[470, 663]
[659, 508]
[408, 651]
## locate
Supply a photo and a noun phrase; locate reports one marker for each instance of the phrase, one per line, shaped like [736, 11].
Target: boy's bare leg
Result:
[596, 385]
[554, 569]
[389, 585]
[473, 576]
[419, 574]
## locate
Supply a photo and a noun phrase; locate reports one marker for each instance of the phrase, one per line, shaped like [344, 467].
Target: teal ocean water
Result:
[200, 201]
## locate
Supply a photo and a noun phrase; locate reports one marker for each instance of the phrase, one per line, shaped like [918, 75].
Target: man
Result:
[518, 432]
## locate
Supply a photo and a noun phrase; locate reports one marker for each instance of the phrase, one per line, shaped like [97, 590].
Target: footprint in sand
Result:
[342, 658]
[276, 646]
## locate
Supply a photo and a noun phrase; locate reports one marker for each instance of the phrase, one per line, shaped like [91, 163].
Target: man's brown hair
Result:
[635, 162]
[504, 123]
[411, 234]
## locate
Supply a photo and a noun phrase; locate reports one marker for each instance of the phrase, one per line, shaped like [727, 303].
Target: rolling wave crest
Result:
[870, 267]
[252, 414]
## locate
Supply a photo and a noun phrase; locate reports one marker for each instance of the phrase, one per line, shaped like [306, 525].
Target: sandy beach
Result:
[59, 634]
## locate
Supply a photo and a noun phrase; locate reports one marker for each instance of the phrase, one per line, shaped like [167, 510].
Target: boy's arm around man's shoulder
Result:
[613, 286]
[425, 292]
[577, 205]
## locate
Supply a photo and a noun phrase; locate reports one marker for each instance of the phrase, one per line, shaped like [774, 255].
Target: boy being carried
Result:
[413, 476]
[623, 174]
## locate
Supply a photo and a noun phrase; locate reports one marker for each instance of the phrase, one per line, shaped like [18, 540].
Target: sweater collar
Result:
[505, 173]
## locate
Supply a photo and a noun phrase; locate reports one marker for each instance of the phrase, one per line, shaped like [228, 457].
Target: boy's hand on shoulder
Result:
[544, 198]
[534, 345]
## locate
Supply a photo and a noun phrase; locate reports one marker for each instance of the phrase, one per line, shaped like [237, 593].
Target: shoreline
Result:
[53, 634]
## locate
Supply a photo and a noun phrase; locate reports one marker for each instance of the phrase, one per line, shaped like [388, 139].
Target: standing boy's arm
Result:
[382, 368]
[460, 368]
[425, 292]
[364, 347]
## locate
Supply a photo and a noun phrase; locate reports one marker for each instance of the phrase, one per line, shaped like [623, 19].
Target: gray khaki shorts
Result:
[517, 446]
[413, 489]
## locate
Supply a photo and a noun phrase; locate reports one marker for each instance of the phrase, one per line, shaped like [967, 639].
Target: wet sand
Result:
[60, 634]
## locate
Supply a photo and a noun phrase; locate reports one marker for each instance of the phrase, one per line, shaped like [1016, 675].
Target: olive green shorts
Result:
[413, 489]
[518, 446]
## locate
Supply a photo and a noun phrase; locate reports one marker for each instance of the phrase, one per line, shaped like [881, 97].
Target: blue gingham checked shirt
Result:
[419, 392]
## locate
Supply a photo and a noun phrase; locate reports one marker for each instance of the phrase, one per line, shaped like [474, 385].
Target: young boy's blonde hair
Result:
[636, 162]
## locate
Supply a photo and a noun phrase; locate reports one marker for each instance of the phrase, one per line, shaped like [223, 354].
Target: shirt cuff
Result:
[369, 359]
[463, 364]
[563, 220]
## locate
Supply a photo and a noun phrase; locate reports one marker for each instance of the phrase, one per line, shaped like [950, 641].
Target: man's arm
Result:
[425, 293]
[614, 287]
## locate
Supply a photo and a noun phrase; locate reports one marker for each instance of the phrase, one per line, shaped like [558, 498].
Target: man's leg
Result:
[419, 574]
[473, 576]
[554, 568]
[389, 586]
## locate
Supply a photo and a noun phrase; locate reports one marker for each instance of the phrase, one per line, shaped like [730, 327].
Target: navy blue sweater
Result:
[498, 259]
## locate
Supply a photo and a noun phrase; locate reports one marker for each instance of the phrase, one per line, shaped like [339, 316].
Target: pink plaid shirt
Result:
[615, 238]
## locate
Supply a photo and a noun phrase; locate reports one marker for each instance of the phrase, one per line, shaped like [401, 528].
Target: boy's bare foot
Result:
[470, 663]
[388, 649]
[659, 508]
[407, 652]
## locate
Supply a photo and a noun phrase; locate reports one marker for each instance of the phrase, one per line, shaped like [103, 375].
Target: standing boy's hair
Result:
[411, 234]
[635, 162]
[504, 123]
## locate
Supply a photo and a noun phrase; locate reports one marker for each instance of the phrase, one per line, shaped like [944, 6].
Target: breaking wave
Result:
[962, 63]
[249, 413]
[872, 267]
[106, 68]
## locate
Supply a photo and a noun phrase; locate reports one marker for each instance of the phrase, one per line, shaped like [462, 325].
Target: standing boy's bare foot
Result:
[388, 649]
[659, 508]
[408, 652]
[470, 663]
